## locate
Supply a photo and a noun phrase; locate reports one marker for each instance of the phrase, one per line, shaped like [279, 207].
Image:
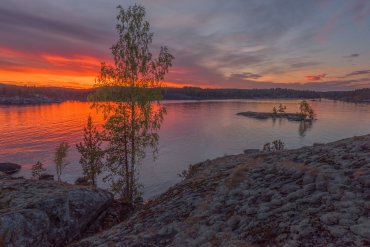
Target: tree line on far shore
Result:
[191, 93]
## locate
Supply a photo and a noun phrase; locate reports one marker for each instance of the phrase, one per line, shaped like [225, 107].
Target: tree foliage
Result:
[281, 109]
[37, 169]
[274, 110]
[275, 146]
[306, 110]
[60, 156]
[128, 93]
[91, 152]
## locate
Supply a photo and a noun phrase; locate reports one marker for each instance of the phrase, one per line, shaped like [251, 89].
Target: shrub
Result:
[91, 152]
[37, 170]
[275, 146]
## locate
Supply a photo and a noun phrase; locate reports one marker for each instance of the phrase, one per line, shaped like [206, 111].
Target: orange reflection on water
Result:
[50, 123]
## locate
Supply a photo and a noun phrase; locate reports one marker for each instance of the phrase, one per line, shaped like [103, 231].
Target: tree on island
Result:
[274, 110]
[279, 110]
[306, 111]
[91, 152]
[60, 158]
[128, 94]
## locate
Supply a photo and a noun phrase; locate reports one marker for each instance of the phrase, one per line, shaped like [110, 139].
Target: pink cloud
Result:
[315, 77]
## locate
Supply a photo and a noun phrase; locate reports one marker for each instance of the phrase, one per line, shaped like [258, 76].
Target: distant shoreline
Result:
[23, 95]
[21, 101]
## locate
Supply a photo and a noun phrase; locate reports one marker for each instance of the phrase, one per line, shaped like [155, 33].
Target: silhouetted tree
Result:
[60, 158]
[91, 152]
[275, 146]
[37, 169]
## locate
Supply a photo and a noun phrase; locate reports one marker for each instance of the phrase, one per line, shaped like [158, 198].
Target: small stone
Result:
[46, 177]
[330, 218]
[289, 188]
[233, 221]
[308, 179]
[362, 229]
[251, 151]
[337, 231]
[364, 180]
[346, 222]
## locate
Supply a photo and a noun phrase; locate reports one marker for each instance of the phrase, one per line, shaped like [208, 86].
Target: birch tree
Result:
[128, 93]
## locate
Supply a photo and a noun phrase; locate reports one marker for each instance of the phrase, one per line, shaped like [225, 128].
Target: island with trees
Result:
[306, 113]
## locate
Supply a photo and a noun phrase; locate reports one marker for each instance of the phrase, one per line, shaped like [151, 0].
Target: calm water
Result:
[192, 132]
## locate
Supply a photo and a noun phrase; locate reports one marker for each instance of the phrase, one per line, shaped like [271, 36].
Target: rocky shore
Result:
[312, 196]
[47, 213]
[267, 115]
[9, 168]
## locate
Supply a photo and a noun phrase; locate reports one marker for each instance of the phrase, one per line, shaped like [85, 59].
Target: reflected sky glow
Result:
[192, 132]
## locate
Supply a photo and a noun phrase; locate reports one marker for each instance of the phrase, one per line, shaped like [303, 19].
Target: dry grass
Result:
[238, 174]
[359, 172]
[312, 170]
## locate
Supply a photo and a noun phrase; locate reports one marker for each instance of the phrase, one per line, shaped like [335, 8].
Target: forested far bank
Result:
[8, 94]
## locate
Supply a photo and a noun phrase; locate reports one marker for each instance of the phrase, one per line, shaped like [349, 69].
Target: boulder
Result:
[3, 175]
[47, 213]
[251, 151]
[46, 177]
[9, 168]
[83, 181]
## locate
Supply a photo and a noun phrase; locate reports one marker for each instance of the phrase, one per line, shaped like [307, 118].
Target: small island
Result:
[306, 113]
[267, 115]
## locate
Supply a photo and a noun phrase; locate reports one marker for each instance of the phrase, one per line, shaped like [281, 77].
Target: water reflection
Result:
[191, 132]
[304, 126]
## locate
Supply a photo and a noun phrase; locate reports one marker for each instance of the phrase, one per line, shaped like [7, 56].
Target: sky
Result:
[300, 44]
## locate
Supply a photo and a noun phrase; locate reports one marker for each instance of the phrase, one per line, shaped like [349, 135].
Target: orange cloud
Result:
[315, 77]
[81, 60]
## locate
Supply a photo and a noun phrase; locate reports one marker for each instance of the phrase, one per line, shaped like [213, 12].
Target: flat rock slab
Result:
[312, 196]
[9, 168]
[47, 213]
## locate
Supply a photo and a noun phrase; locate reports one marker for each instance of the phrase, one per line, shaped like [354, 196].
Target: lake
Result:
[193, 131]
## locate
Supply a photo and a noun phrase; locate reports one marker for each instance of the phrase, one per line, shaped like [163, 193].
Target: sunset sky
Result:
[300, 44]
